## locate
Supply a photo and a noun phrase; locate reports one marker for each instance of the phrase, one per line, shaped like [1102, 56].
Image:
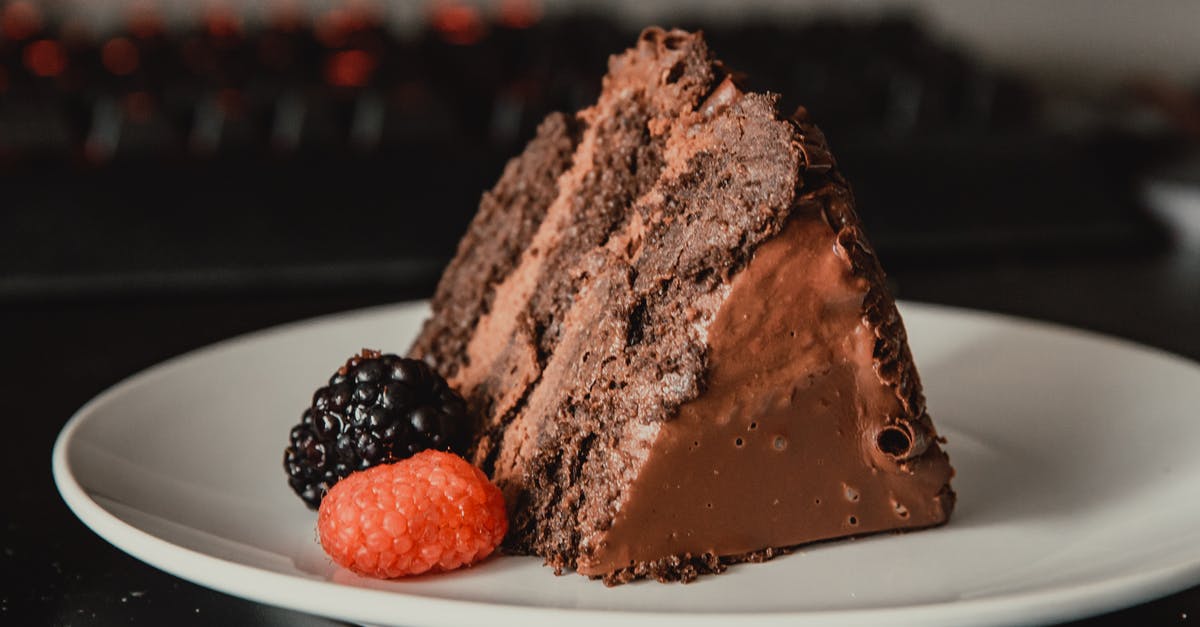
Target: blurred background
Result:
[152, 146]
[176, 172]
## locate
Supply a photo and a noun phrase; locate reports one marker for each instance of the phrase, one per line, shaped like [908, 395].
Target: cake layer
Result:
[500, 232]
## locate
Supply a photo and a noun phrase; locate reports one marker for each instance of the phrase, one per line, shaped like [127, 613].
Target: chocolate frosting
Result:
[783, 448]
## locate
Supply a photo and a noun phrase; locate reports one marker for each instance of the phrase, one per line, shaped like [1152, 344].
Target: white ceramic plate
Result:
[1077, 475]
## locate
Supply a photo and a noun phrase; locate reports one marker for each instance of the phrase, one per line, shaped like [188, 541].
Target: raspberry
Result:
[431, 512]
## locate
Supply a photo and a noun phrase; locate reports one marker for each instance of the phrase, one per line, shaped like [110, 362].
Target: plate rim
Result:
[1062, 602]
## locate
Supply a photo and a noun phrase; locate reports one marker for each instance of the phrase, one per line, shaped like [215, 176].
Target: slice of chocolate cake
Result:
[677, 338]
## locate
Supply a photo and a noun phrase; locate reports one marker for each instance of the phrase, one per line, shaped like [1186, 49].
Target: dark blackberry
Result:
[376, 409]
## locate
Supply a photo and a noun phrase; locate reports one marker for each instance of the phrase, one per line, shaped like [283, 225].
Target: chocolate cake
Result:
[677, 340]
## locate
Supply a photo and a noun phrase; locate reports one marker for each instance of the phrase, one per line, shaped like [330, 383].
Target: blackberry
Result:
[376, 409]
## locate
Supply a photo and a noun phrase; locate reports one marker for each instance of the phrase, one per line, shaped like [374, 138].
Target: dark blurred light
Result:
[287, 16]
[349, 68]
[329, 29]
[120, 56]
[20, 20]
[334, 27]
[222, 22]
[458, 24]
[145, 22]
[519, 13]
[45, 58]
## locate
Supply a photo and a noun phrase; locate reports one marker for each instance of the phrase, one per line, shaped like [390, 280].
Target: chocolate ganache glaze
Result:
[792, 440]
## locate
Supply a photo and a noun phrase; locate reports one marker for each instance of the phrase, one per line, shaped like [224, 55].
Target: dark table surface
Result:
[58, 353]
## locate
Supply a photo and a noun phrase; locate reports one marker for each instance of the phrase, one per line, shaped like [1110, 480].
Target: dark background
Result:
[166, 185]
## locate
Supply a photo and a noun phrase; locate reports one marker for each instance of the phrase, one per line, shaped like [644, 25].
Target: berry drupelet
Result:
[376, 409]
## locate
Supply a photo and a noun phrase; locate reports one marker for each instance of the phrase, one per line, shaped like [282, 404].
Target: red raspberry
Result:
[431, 512]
